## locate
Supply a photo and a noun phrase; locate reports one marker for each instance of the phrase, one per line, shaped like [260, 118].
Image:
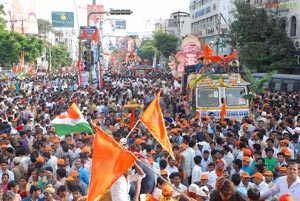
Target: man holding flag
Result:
[120, 190]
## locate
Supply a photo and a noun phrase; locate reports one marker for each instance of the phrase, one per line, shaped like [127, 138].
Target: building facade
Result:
[210, 20]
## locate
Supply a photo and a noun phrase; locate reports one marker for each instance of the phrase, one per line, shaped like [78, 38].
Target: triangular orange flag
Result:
[223, 110]
[153, 119]
[132, 118]
[150, 197]
[110, 161]
[232, 56]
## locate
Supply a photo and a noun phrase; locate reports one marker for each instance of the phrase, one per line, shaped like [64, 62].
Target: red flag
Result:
[79, 71]
[223, 110]
[22, 60]
[132, 117]
[83, 34]
[153, 119]
[95, 35]
[110, 161]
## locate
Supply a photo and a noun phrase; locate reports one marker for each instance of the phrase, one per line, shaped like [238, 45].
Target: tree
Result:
[33, 48]
[2, 20]
[44, 26]
[59, 57]
[164, 43]
[147, 52]
[263, 45]
[13, 43]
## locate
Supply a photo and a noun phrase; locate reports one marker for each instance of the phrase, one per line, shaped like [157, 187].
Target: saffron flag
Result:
[153, 119]
[150, 197]
[110, 161]
[72, 122]
[223, 110]
[132, 118]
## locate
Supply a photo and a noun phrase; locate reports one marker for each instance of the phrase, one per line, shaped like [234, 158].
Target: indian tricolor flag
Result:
[72, 122]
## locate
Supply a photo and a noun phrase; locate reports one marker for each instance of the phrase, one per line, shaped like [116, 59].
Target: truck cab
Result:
[207, 93]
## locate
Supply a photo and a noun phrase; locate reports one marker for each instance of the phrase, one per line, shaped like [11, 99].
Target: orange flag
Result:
[232, 56]
[153, 119]
[132, 117]
[223, 110]
[110, 161]
[150, 197]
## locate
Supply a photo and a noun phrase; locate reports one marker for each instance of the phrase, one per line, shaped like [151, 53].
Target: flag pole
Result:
[168, 182]
[132, 129]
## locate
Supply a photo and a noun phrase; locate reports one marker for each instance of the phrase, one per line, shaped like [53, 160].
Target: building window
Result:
[293, 26]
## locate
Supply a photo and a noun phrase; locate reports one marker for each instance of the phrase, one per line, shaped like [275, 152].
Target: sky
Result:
[143, 10]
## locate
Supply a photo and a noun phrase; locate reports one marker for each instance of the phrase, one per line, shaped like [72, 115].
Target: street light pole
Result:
[218, 36]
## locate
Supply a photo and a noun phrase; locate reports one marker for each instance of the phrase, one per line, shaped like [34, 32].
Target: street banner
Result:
[95, 19]
[88, 32]
[24, 16]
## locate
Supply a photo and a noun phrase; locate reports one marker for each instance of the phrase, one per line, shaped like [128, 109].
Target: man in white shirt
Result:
[258, 180]
[4, 169]
[196, 171]
[171, 165]
[289, 184]
[120, 190]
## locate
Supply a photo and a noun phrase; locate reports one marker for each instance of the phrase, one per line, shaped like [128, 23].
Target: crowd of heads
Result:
[210, 154]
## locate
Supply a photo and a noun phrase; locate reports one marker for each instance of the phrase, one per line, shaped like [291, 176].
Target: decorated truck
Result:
[208, 90]
[207, 93]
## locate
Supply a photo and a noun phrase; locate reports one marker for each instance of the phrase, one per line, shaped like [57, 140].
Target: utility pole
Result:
[218, 36]
[177, 15]
[179, 31]
[94, 2]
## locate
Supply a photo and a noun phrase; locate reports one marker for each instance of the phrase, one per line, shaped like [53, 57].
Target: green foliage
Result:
[60, 56]
[13, 43]
[165, 43]
[147, 52]
[33, 48]
[263, 44]
[2, 20]
[44, 26]
[256, 86]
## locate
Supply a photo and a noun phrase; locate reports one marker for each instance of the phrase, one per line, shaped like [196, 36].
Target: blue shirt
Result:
[198, 67]
[84, 176]
[248, 169]
[30, 199]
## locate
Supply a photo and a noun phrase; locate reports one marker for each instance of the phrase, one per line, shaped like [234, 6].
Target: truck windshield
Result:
[234, 96]
[208, 98]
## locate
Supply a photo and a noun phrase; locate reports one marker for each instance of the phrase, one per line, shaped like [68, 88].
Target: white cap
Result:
[264, 114]
[123, 141]
[203, 191]
[193, 188]
[17, 160]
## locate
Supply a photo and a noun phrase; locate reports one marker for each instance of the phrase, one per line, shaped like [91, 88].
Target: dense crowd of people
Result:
[254, 158]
